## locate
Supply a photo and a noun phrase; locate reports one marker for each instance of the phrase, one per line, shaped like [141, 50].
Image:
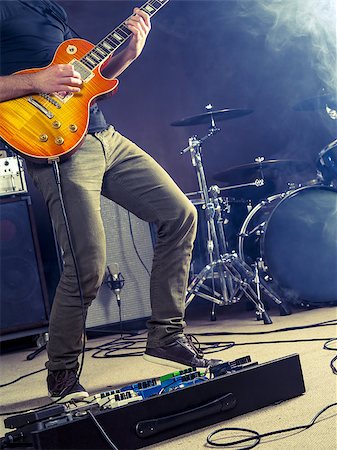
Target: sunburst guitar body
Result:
[47, 127]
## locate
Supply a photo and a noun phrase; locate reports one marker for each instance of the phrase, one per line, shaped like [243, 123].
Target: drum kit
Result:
[282, 245]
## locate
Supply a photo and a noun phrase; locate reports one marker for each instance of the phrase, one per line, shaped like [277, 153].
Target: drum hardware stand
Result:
[235, 276]
[257, 183]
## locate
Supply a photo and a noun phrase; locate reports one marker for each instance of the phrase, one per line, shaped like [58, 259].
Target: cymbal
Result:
[316, 103]
[221, 114]
[270, 169]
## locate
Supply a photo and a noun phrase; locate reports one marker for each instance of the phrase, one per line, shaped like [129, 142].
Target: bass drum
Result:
[327, 163]
[295, 236]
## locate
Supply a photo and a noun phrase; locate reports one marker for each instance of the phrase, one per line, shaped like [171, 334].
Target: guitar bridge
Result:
[40, 107]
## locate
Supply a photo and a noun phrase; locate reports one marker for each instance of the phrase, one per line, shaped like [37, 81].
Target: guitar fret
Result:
[152, 7]
[107, 46]
[125, 28]
[95, 52]
[93, 55]
[123, 32]
[118, 37]
[88, 62]
[148, 8]
[100, 51]
[110, 42]
[114, 40]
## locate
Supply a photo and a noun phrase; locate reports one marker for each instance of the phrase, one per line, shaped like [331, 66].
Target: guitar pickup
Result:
[85, 73]
[40, 107]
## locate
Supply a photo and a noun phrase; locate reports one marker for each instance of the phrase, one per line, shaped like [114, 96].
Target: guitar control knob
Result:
[71, 49]
[56, 124]
[43, 137]
[59, 140]
[73, 127]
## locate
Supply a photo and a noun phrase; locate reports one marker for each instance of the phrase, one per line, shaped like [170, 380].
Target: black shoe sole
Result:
[76, 396]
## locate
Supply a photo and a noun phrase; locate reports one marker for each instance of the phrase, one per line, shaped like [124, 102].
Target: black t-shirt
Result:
[30, 32]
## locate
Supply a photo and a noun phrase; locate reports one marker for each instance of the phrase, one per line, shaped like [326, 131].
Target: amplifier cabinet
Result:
[129, 244]
[23, 296]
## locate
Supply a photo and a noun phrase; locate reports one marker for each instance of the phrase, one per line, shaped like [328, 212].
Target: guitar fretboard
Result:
[107, 46]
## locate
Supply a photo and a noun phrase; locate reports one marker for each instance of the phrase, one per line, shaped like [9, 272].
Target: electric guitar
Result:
[45, 127]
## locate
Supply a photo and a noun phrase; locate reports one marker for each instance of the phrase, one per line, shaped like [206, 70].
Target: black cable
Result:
[22, 377]
[102, 431]
[127, 340]
[326, 345]
[206, 347]
[120, 345]
[134, 245]
[278, 330]
[120, 320]
[72, 251]
[286, 341]
[126, 336]
[257, 436]
[332, 365]
[22, 411]
[334, 359]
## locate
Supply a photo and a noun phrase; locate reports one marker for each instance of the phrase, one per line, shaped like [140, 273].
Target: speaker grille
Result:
[135, 296]
[22, 297]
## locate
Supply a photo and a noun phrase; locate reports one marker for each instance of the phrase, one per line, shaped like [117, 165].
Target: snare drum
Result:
[294, 235]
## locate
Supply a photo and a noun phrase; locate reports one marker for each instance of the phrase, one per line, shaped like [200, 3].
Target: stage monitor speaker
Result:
[130, 245]
[23, 298]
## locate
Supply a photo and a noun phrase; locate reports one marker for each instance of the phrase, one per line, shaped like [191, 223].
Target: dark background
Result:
[258, 54]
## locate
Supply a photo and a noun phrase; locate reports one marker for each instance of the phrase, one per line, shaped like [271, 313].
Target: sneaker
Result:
[63, 385]
[180, 354]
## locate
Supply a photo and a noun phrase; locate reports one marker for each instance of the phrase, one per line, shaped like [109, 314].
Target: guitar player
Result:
[106, 163]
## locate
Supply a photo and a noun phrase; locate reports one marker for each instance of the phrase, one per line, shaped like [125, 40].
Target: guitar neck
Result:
[107, 46]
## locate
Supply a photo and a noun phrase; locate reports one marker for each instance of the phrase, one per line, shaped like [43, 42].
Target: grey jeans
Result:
[109, 164]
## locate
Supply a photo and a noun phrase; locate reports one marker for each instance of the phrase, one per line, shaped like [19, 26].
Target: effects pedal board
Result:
[156, 409]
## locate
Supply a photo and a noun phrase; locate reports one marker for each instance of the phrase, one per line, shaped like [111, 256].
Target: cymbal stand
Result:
[235, 276]
[213, 248]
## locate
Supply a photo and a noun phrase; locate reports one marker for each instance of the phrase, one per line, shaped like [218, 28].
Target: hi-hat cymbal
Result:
[221, 114]
[269, 169]
[316, 103]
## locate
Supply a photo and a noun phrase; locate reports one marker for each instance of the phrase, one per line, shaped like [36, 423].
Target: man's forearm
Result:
[54, 78]
[117, 64]
[16, 85]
